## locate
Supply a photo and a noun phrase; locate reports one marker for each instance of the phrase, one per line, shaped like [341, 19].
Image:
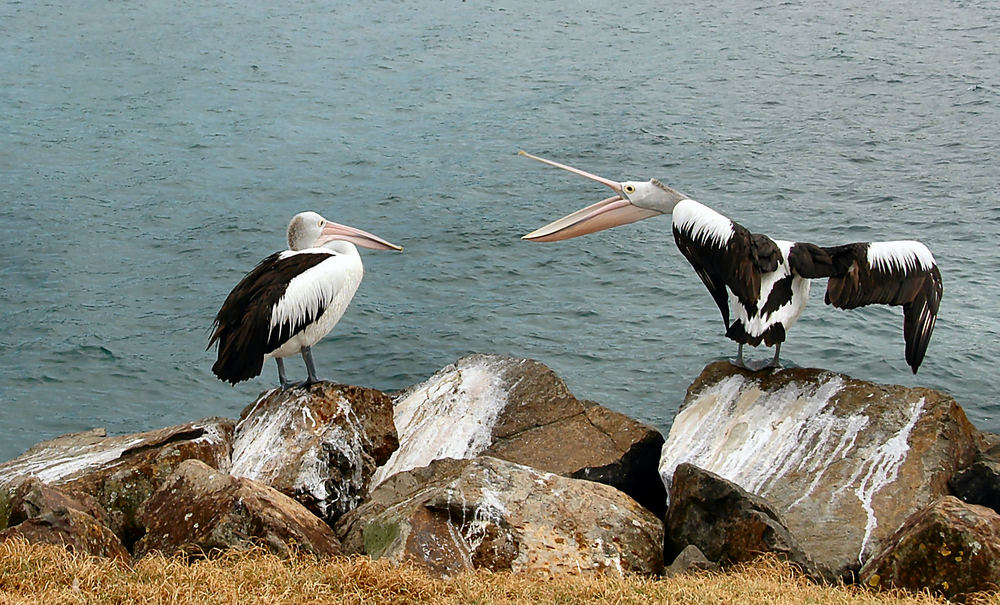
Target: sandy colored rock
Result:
[199, 509]
[122, 471]
[843, 461]
[456, 515]
[318, 444]
[520, 410]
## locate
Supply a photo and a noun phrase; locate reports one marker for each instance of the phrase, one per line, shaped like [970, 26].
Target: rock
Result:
[456, 515]
[121, 472]
[980, 482]
[198, 510]
[77, 456]
[690, 560]
[950, 547]
[519, 410]
[843, 461]
[319, 445]
[76, 530]
[30, 498]
[726, 523]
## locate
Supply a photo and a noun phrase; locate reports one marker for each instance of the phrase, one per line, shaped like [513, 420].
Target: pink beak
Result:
[612, 212]
[332, 231]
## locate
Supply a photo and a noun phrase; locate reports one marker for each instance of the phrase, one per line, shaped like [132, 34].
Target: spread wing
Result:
[901, 273]
[724, 254]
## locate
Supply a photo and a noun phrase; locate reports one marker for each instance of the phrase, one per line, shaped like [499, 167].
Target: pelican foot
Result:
[739, 363]
[754, 366]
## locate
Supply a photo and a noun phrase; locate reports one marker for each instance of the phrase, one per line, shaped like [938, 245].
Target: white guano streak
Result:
[451, 415]
[51, 468]
[753, 438]
[259, 441]
[265, 443]
[881, 469]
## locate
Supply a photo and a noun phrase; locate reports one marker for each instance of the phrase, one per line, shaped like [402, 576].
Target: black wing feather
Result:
[242, 325]
[737, 264]
[854, 283]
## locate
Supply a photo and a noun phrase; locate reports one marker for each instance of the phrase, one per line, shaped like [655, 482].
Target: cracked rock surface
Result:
[519, 410]
[456, 515]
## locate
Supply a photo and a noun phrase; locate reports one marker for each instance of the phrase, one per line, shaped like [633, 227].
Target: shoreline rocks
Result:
[199, 509]
[493, 463]
[457, 515]
[844, 461]
[520, 410]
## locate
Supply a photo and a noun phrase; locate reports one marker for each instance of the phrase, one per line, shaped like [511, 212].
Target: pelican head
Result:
[310, 230]
[633, 201]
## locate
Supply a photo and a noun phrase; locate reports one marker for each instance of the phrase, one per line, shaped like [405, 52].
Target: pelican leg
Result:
[281, 374]
[738, 362]
[310, 368]
[774, 362]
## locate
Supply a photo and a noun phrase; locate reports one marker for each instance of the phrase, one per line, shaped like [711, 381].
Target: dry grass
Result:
[50, 575]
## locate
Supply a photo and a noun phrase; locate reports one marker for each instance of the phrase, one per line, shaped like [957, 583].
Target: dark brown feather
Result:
[853, 283]
[738, 264]
[242, 325]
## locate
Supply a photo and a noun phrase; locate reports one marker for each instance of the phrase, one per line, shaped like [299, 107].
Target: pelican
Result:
[766, 281]
[291, 299]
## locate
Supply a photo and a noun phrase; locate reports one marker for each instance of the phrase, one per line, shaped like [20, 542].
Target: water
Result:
[153, 152]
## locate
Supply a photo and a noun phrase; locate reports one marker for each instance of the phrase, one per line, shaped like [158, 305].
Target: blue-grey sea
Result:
[152, 152]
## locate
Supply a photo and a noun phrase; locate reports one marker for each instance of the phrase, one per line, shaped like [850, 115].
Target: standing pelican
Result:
[291, 300]
[768, 280]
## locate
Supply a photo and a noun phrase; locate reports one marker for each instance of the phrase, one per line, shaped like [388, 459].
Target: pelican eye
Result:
[629, 188]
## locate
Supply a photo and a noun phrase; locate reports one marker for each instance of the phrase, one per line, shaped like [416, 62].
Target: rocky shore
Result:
[493, 463]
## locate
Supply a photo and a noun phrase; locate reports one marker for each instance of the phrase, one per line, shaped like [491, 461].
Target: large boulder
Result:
[122, 471]
[727, 524]
[456, 515]
[319, 444]
[950, 548]
[843, 461]
[200, 510]
[520, 410]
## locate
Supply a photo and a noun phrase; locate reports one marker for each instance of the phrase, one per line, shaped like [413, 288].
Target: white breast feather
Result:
[330, 284]
[904, 255]
[702, 223]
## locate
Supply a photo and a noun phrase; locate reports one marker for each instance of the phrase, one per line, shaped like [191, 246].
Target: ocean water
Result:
[152, 152]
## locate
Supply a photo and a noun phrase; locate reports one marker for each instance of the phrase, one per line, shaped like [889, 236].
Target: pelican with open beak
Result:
[766, 281]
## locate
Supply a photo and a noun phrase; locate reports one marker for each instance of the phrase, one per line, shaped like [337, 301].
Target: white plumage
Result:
[329, 285]
[292, 299]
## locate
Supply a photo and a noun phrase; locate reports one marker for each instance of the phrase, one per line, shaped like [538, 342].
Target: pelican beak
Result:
[332, 231]
[612, 212]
